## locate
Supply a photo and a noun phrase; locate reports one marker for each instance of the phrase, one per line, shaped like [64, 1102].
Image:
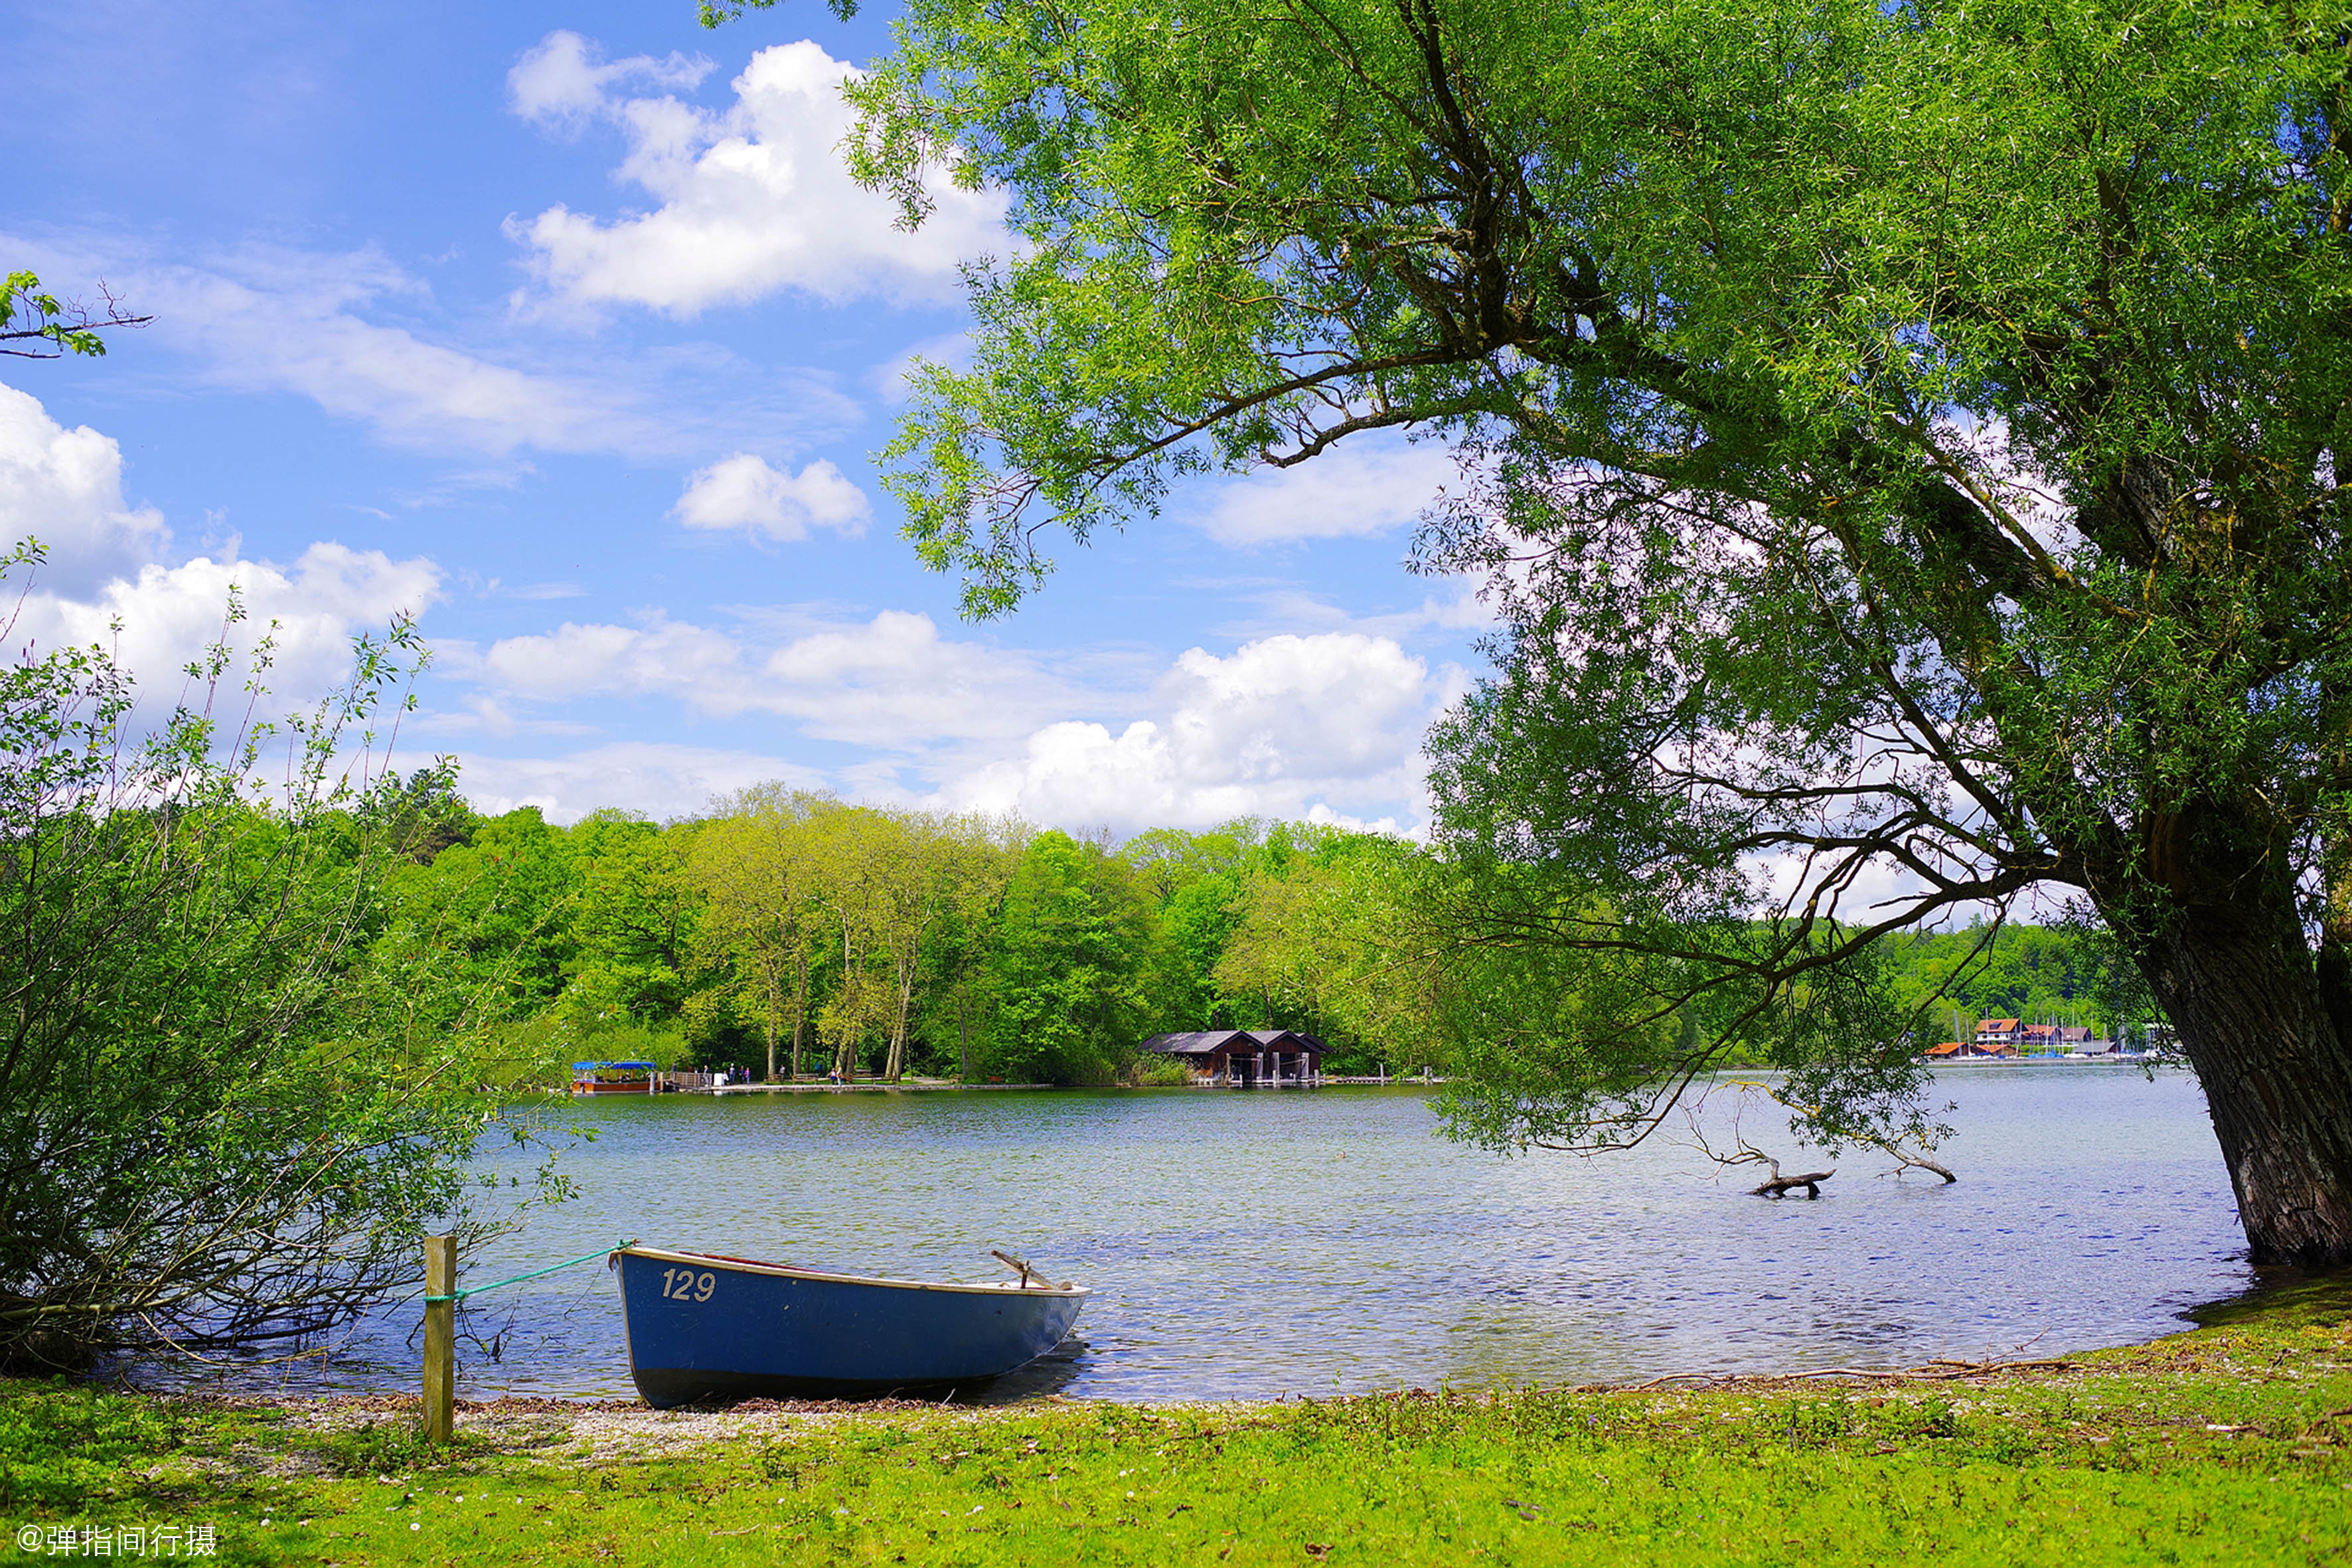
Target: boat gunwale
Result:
[790, 1272]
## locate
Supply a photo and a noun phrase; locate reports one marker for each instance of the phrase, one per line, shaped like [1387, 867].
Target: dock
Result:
[699, 1083]
[854, 1085]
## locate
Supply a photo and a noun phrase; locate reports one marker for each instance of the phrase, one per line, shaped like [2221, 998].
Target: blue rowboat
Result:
[700, 1326]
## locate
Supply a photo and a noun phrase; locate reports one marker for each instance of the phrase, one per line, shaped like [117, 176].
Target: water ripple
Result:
[1246, 1245]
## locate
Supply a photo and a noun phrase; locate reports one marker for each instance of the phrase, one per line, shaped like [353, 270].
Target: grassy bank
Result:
[2228, 1443]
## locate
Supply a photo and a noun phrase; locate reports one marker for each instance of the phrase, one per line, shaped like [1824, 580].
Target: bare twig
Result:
[1941, 1370]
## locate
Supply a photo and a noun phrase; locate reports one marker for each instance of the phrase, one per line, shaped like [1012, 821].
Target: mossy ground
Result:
[2226, 1444]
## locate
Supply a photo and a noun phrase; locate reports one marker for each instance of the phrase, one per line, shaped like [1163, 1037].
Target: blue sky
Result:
[558, 325]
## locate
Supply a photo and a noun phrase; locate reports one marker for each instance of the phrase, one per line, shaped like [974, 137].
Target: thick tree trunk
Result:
[844, 1061]
[904, 997]
[775, 1000]
[800, 1014]
[2238, 979]
[963, 1036]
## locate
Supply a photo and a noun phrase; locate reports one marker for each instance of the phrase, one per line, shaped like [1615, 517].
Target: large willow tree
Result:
[1907, 443]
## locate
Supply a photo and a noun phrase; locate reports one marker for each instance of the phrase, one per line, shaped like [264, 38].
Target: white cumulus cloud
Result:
[310, 610]
[1326, 726]
[1322, 726]
[754, 199]
[896, 682]
[1355, 490]
[659, 657]
[559, 84]
[891, 682]
[64, 487]
[743, 492]
[105, 568]
[105, 583]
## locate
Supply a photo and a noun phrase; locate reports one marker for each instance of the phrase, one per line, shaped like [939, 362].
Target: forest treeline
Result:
[800, 934]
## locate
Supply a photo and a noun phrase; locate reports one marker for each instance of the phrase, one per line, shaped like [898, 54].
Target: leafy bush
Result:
[1160, 1072]
[224, 1119]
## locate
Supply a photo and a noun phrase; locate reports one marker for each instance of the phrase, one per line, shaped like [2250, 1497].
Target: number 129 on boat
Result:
[685, 1285]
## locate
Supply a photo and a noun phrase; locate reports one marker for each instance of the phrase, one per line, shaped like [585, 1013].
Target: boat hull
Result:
[701, 1328]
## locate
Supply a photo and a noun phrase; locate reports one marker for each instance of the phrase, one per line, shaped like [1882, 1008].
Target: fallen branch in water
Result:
[1905, 1160]
[1781, 1187]
[1912, 1162]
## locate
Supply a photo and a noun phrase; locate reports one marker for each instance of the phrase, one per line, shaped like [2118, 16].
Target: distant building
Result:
[2037, 1038]
[1244, 1058]
[1996, 1032]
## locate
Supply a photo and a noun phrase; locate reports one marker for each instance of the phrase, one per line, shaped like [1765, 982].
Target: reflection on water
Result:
[1245, 1244]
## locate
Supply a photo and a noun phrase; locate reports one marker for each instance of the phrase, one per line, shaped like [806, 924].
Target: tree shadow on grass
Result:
[2283, 1297]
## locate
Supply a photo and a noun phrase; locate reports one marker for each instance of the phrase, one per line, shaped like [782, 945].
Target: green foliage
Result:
[35, 324]
[1336, 934]
[796, 923]
[634, 916]
[1200, 920]
[1906, 447]
[502, 902]
[2065, 972]
[755, 864]
[1066, 966]
[1159, 1072]
[428, 815]
[226, 1112]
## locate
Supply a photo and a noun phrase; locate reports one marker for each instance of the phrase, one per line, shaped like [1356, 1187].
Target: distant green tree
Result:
[1204, 885]
[429, 816]
[2060, 971]
[1067, 961]
[1169, 859]
[1339, 942]
[634, 921]
[951, 1016]
[1197, 924]
[503, 903]
[763, 913]
[970, 861]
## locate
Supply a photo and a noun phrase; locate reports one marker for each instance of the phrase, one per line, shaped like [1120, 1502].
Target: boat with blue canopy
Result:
[704, 1327]
[612, 1077]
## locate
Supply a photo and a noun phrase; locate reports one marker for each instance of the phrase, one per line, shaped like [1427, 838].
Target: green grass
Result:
[2226, 1444]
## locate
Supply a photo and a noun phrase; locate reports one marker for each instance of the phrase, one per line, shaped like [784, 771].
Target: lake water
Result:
[1253, 1243]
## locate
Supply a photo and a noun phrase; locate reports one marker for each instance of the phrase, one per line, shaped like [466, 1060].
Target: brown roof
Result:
[1209, 1042]
[1949, 1049]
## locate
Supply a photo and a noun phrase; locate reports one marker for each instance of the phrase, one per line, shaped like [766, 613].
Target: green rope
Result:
[584, 1258]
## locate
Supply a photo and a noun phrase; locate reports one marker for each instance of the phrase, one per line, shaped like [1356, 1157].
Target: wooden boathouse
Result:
[1246, 1058]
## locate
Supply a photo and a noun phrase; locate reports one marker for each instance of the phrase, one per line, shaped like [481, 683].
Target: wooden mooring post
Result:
[440, 1335]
